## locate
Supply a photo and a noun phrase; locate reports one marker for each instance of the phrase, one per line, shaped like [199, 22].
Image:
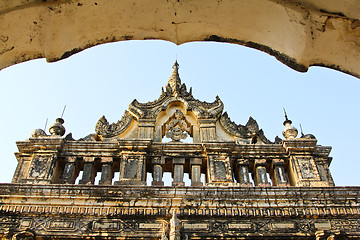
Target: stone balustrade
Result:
[145, 163]
[242, 172]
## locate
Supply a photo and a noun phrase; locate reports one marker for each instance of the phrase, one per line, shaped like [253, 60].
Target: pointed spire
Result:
[174, 82]
[289, 132]
[176, 64]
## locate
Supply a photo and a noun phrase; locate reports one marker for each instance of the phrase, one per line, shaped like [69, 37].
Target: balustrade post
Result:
[106, 171]
[278, 174]
[89, 171]
[242, 173]
[157, 174]
[195, 164]
[69, 173]
[178, 172]
[260, 177]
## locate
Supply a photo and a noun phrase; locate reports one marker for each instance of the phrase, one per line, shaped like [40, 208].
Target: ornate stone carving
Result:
[7, 222]
[41, 167]
[24, 235]
[289, 131]
[57, 128]
[177, 127]
[111, 130]
[249, 132]
[175, 91]
[234, 129]
[38, 133]
[174, 227]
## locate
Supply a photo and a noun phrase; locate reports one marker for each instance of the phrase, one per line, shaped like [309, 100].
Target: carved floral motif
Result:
[177, 128]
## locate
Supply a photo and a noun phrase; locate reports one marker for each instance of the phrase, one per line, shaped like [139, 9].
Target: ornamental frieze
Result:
[164, 227]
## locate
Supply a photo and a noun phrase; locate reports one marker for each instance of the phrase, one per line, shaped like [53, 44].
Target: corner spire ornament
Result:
[57, 129]
[289, 131]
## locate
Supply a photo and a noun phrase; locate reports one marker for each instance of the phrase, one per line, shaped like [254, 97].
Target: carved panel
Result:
[219, 168]
[132, 169]
[306, 167]
[7, 222]
[345, 224]
[79, 227]
[41, 168]
[269, 227]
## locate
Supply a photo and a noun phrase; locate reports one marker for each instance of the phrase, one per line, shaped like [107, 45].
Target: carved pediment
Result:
[248, 133]
[112, 130]
[234, 129]
[206, 116]
[176, 92]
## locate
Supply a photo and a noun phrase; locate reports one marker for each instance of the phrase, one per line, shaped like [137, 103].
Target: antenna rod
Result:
[286, 118]
[302, 134]
[45, 124]
[63, 111]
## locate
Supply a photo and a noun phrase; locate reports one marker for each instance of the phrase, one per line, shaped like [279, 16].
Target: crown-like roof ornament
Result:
[174, 83]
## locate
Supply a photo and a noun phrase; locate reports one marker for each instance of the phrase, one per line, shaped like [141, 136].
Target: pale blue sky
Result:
[103, 80]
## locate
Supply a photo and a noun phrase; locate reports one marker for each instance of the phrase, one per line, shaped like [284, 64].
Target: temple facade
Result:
[110, 184]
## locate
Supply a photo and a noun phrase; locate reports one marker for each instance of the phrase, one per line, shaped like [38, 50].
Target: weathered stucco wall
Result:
[298, 33]
[108, 212]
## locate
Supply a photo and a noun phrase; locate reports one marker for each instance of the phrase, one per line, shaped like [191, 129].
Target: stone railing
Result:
[53, 160]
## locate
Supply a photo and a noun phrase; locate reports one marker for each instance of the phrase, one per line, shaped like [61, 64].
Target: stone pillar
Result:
[106, 171]
[89, 171]
[207, 129]
[196, 133]
[278, 173]
[174, 227]
[37, 160]
[157, 174]
[178, 172]
[323, 169]
[146, 128]
[195, 164]
[242, 173]
[306, 163]
[132, 169]
[260, 177]
[69, 173]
